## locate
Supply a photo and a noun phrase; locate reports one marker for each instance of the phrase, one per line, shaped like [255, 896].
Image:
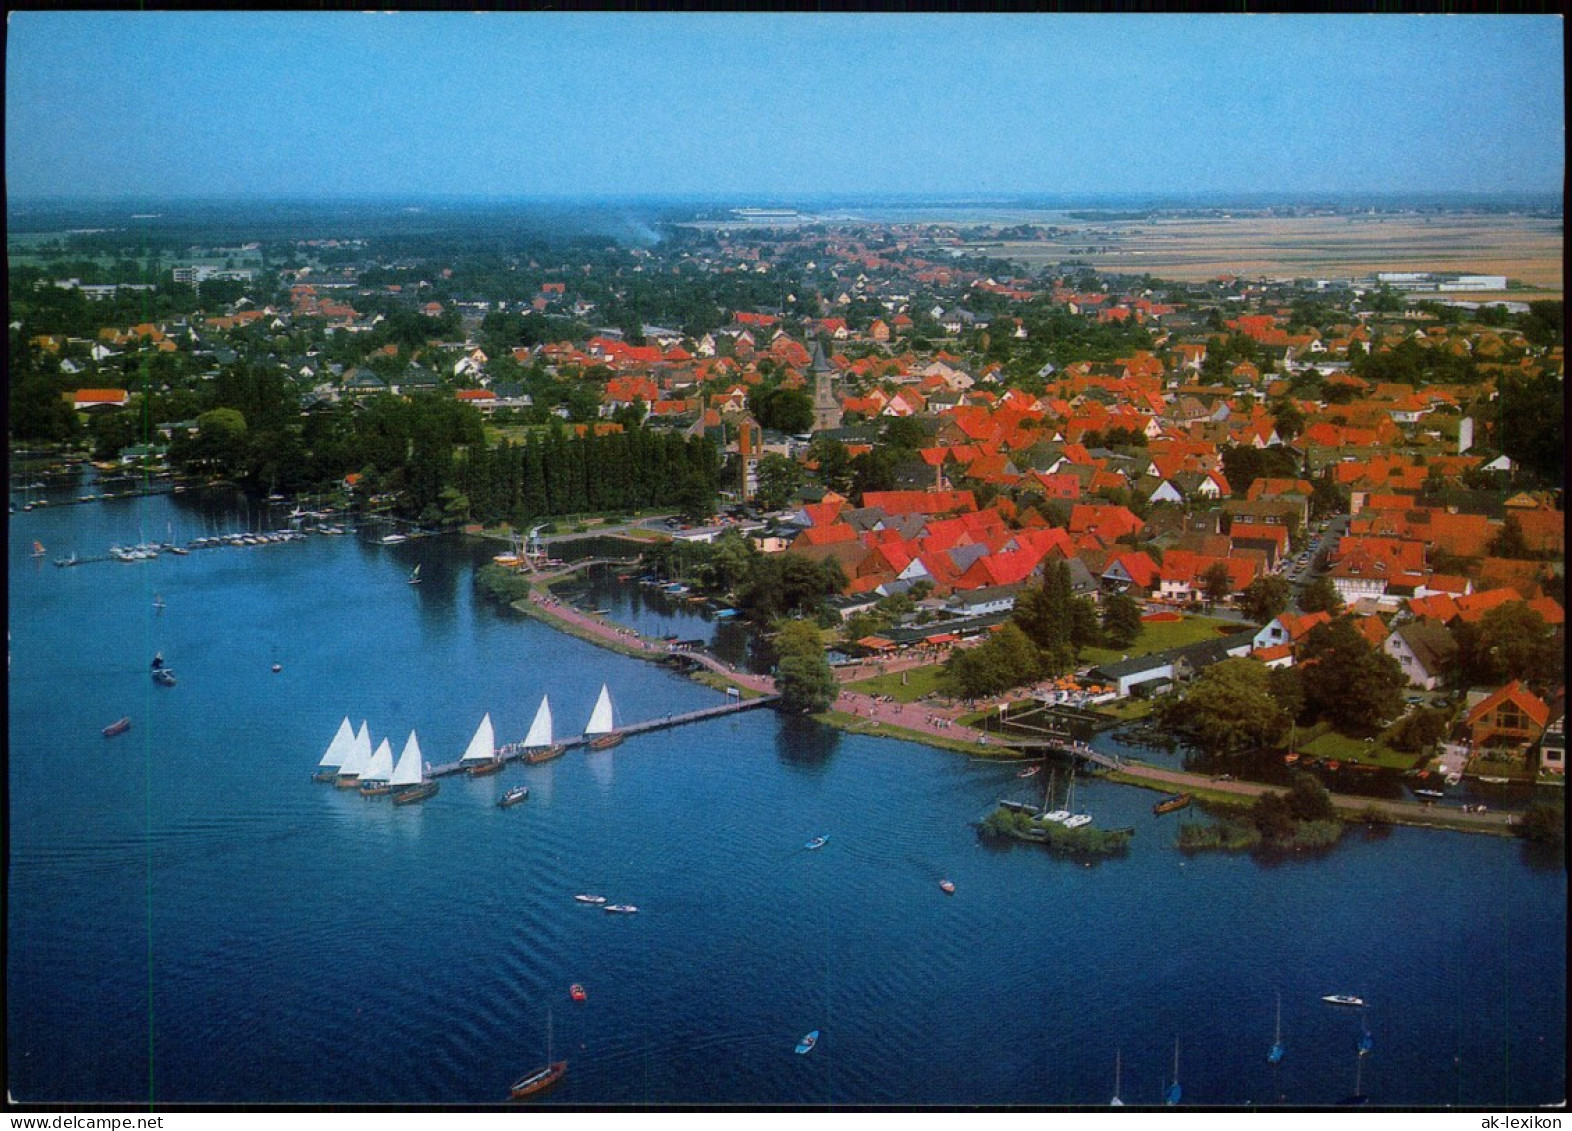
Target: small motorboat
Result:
[597, 900]
[119, 726]
[1342, 999]
[1030, 771]
[947, 887]
[1490, 780]
[1169, 804]
[576, 992]
[817, 842]
[513, 796]
[278, 667]
[621, 908]
[1429, 793]
[539, 1080]
[1077, 820]
[806, 1044]
[164, 677]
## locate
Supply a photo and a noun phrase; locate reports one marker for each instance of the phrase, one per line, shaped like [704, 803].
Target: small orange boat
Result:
[947, 887]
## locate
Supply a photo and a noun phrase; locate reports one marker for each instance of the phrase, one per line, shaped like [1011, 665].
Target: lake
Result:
[192, 920]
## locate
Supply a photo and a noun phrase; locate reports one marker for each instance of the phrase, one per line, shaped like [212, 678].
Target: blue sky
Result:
[777, 106]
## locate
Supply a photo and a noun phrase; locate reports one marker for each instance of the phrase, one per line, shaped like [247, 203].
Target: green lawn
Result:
[1163, 634]
[919, 682]
[1341, 748]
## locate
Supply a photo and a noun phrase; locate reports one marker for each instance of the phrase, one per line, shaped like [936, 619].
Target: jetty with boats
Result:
[350, 762]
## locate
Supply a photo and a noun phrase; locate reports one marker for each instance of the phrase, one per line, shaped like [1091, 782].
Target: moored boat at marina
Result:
[409, 775]
[513, 796]
[348, 776]
[537, 744]
[375, 778]
[601, 729]
[338, 750]
[1169, 804]
[480, 757]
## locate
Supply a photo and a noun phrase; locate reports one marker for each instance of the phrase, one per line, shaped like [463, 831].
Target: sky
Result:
[775, 107]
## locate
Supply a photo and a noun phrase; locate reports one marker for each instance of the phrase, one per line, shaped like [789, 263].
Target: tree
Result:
[1216, 584]
[1266, 597]
[1121, 620]
[1509, 642]
[1228, 708]
[803, 675]
[1046, 616]
[834, 463]
[1288, 418]
[782, 410]
[220, 440]
[1006, 659]
[1509, 541]
[1321, 596]
[1347, 680]
[778, 481]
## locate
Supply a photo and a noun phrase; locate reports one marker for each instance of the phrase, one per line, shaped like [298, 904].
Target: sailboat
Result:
[541, 1078]
[359, 757]
[414, 576]
[1276, 1054]
[338, 750]
[376, 778]
[481, 757]
[1116, 1101]
[538, 746]
[409, 776]
[601, 725]
[1075, 820]
[1175, 1093]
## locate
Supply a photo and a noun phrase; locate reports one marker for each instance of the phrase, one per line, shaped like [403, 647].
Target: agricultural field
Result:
[1526, 249]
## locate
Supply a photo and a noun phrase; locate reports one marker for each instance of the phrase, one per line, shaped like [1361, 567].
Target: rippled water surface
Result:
[191, 919]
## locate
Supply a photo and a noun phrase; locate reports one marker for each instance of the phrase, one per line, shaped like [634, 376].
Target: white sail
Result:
[360, 756]
[600, 719]
[410, 770]
[483, 747]
[380, 768]
[339, 749]
[540, 730]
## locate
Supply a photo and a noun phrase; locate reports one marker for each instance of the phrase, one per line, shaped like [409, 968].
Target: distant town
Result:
[1317, 515]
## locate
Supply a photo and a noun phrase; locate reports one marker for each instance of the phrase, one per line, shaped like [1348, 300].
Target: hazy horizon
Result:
[775, 108]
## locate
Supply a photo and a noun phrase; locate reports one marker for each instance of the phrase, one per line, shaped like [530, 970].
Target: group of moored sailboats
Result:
[350, 763]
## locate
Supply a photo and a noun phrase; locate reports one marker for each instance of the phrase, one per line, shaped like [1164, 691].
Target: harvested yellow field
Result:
[1526, 249]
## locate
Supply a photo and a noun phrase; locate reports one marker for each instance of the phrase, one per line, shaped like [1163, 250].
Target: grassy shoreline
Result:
[856, 724]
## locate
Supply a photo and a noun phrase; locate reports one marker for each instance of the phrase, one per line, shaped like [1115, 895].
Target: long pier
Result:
[665, 722]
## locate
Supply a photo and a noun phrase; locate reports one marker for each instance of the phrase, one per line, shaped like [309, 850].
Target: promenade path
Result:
[921, 719]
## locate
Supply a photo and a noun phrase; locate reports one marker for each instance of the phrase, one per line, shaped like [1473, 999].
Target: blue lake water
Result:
[190, 919]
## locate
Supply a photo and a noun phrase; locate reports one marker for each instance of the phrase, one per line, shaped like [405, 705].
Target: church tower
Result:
[826, 406]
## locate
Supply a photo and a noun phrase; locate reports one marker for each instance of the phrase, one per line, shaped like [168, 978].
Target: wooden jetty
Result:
[665, 722]
[1061, 747]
